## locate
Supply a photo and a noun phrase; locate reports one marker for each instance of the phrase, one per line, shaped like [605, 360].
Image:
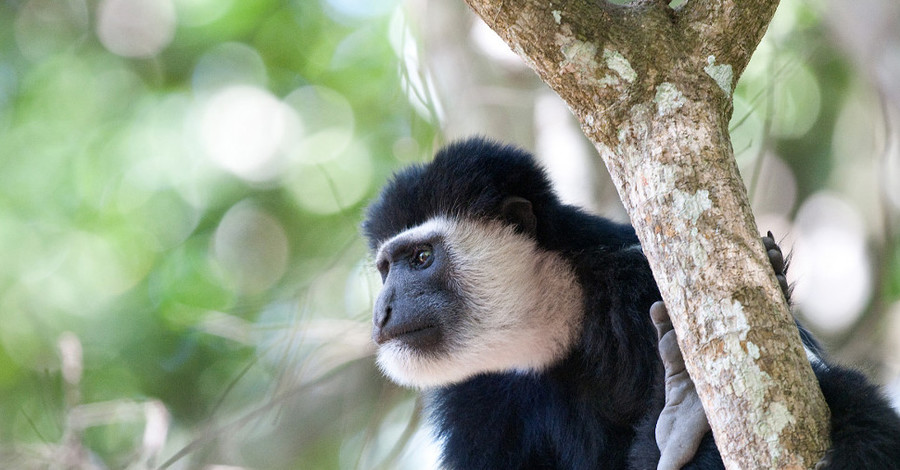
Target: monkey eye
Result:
[422, 257]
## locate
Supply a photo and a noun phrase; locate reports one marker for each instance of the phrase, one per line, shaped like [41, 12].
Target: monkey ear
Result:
[517, 210]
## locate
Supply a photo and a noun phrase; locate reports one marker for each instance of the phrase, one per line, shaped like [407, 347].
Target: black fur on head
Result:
[470, 178]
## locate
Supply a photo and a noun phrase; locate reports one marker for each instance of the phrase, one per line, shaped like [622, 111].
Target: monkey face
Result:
[462, 298]
[417, 305]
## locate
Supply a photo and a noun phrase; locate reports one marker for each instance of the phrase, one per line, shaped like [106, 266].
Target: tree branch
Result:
[729, 30]
[652, 89]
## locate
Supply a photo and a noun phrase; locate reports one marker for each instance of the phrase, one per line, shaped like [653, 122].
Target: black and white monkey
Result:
[526, 323]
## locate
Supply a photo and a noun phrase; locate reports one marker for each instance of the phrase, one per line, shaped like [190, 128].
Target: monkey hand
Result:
[779, 264]
[682, 422]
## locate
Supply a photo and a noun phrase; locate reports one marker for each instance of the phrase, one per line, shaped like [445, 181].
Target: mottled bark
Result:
[652, 89]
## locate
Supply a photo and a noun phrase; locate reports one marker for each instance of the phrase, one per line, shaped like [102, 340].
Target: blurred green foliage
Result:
[181, 183]
[151, 205]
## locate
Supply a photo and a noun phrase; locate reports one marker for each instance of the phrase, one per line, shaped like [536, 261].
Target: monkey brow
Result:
[432, 231]
[398, 247]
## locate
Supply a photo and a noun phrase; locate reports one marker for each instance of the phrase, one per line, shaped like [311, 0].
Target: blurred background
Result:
[182, 280]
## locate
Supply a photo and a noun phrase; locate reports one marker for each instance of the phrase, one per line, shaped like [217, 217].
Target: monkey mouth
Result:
[417, 336]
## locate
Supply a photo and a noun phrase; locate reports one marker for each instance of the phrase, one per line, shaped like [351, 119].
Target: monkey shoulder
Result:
[526, 420]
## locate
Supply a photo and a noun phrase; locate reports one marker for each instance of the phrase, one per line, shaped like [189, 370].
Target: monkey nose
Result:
[382, 315]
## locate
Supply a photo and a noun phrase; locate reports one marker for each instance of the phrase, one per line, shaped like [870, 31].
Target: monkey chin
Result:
[411, 367]
[408, 367]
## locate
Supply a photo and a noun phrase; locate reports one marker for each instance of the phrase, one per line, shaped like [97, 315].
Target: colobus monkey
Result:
[526, 323]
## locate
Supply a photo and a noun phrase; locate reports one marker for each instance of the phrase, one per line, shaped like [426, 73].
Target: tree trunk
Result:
[652, 89]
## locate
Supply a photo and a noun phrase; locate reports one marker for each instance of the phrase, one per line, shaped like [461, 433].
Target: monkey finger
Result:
[776, 258]
[669, 352]
[660, 316]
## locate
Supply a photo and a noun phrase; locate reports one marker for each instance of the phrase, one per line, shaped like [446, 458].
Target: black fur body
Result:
[596, 406]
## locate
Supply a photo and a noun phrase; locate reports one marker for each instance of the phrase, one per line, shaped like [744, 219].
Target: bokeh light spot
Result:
[830, 262]
[67, 20]
[231, 63]
[243, 130]
[135, 28]
[251, 248]
[797, 101]
[335, 185]
[321, 108]
[776, 187]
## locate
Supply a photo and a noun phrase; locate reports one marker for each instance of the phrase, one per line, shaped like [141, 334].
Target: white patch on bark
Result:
[691, 206]
[668, 98]
[722, 74]
[556, 16]
[637, 130]
[752, 350]
[619, 64]
[579, 57]
[608, 80]
[687, 207]
[669, 174]
[735, 345]
[730, 313]
[776, 418]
